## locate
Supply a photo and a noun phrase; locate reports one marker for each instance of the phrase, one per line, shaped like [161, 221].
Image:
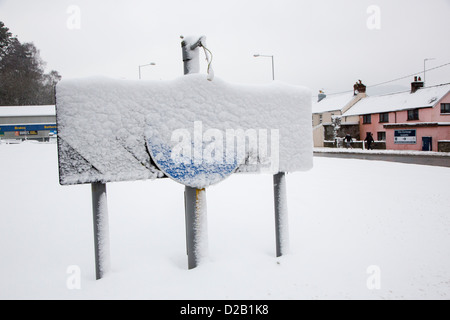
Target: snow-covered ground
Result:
[347, 217]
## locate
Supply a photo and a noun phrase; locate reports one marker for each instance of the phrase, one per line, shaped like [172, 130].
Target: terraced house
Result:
[418, 119]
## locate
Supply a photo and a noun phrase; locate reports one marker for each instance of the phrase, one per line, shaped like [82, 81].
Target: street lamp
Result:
[425, 69]
[145, 65]
[279, 189]
[273, 65]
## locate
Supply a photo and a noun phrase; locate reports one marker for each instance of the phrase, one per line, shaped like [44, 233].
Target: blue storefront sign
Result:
[405, 137]
[29, 128]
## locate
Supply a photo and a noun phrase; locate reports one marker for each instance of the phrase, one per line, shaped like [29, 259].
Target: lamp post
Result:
[425, 69]
[280, 198]
[194, 199]
[145, 65]
[273, 64]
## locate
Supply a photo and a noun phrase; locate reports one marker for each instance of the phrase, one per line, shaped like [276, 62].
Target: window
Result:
[381, 136]
[445, 108]
[384, 117]
[320, 118]
[413, 114]
[367, 119]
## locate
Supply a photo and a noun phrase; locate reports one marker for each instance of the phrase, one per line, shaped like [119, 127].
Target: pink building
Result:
[415, 120]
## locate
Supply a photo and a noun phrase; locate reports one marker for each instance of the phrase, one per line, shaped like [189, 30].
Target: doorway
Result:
[427, 144]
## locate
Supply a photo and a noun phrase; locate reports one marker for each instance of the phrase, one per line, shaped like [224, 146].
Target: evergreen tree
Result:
[5, 39]
[22, 77]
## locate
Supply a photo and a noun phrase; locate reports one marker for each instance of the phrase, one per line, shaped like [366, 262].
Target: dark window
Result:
[367, 119]
[445, 108]
[384, 117]
[413, 114]
[381, 136]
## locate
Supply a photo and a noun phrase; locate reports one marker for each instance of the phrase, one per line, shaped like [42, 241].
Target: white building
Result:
[324, 108]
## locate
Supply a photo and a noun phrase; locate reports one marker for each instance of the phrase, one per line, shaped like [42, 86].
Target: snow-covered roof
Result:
[27, 111]
[332, 103]
[423, 98]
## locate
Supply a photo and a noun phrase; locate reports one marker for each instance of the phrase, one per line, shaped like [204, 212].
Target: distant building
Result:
[324, 108]
[27, 123]
[414, 120]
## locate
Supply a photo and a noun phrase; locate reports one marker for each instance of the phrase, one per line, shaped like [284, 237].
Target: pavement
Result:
[410, 157]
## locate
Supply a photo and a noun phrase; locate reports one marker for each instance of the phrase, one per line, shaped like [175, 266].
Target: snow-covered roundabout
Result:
[354, 225]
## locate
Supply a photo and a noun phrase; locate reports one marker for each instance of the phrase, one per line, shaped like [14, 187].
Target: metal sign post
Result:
[101, 233]
[281, 214]
[195, 230]
[193, 211]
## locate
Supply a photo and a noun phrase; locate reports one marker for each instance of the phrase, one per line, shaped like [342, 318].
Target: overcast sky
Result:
[321, 44]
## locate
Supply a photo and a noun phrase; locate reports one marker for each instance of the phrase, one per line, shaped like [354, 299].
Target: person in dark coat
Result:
[348, 141]
[369, 139]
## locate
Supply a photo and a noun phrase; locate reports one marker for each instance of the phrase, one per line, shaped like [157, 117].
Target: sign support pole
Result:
[101, 232]
[281, 214]
[195, 212]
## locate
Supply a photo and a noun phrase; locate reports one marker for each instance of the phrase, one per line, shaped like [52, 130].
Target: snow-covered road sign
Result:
[189, 159]
[193, 130]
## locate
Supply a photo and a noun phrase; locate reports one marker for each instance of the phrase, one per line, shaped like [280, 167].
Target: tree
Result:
[22, 77]
[336, 124]
[5, 39]
[50, 81]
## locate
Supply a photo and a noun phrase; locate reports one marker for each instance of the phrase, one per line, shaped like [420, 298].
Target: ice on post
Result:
[197, 132]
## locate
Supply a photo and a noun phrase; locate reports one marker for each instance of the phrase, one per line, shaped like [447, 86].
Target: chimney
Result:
[417, 84]
[359, 87]
[321, 96]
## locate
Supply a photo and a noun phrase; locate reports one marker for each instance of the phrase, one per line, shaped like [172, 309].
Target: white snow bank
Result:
[104, 124]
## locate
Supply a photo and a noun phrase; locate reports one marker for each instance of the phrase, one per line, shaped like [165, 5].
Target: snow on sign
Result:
[195, 131]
